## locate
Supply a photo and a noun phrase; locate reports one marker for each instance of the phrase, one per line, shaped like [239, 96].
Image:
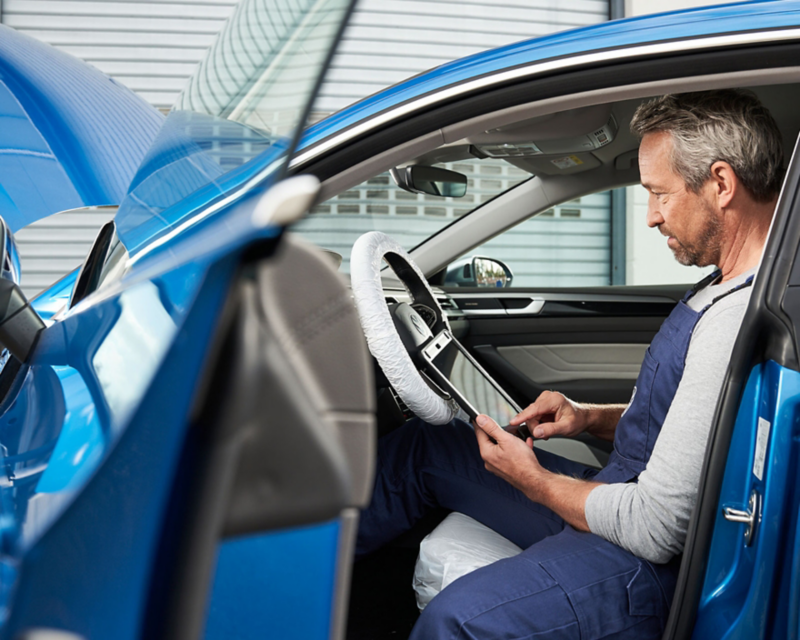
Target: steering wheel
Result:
[395, 336]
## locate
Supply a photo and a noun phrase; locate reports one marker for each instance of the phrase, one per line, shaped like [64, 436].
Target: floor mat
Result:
[382, 604]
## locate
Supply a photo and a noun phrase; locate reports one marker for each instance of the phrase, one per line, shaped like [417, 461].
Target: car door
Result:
[134, 485]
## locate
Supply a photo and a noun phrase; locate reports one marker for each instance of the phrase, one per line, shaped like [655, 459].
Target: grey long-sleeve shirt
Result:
[650, 518]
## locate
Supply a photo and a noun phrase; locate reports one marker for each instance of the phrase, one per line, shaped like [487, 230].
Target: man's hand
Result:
[553, 414]
[506, 456]
[514, 461]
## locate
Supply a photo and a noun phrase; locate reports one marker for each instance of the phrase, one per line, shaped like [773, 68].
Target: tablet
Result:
[449, 365]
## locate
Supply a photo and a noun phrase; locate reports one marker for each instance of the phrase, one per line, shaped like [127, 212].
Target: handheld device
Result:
[451, 367]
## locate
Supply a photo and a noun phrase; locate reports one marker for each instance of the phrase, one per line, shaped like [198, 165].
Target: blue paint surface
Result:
[69, 135]
[280, 584]
[742, 580]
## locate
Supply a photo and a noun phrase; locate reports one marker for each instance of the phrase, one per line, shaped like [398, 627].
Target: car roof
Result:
[610, 38]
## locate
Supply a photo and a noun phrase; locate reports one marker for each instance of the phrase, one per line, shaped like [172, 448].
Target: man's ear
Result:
[724, 182]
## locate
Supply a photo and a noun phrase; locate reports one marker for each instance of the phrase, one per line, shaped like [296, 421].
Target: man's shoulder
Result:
[724, 295]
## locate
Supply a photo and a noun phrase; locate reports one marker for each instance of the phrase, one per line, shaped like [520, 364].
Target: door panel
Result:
[583, 343]
[553, 364]
[586, 343]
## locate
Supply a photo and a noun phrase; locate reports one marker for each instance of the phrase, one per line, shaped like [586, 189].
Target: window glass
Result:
[649, 261]
[572, 245]
[410, 218]
[578, 243]
[567, 245]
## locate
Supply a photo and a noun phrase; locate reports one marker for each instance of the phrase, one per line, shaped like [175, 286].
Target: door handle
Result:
[751, 517]
[535, 306]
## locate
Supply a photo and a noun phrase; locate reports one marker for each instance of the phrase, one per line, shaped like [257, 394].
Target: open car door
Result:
[182, 456]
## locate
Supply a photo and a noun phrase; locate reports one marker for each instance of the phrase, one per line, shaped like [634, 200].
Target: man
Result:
[602, 549]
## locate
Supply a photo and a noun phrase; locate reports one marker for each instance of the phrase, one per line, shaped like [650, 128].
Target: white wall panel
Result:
[54, 246]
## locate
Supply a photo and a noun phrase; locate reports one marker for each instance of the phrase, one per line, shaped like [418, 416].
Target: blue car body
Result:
[94, 428]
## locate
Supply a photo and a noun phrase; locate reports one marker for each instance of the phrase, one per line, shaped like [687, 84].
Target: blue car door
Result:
[182, 456]
[739, 577]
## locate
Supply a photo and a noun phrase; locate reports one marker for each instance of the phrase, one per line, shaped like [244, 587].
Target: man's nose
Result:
[654, 217]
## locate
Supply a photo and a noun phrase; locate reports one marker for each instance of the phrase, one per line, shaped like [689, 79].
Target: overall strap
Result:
[738, 287]
[702, 284]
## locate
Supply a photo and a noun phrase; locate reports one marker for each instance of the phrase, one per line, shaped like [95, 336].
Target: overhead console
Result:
[553, 144]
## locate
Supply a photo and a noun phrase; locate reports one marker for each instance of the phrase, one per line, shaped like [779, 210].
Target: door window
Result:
[588, 242]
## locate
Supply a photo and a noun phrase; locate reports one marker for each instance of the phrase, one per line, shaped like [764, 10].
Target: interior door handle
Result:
[536, 305]
[751, 517]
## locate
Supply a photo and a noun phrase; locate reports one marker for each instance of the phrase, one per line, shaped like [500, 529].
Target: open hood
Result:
[69, 135]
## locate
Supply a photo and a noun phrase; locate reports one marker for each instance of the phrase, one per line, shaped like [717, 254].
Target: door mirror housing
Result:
[478, 271]
[19, 323]
[432, 181]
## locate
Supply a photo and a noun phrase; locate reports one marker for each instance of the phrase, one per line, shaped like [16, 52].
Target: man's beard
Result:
[706, 250]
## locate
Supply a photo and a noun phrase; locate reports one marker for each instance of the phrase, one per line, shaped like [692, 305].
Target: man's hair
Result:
[709, 126]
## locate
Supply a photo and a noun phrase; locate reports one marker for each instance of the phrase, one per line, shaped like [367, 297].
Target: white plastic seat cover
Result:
[456, 547]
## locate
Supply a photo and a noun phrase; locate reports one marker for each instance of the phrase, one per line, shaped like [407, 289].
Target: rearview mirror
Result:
[432, 181]
[478, 271]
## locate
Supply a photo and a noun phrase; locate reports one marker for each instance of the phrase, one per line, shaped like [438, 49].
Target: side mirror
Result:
[432, 181]
[19, 323]
[478, 271]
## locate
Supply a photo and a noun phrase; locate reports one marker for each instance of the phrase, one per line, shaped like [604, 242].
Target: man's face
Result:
[689, 220]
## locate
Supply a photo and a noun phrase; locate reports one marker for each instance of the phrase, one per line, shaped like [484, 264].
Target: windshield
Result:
[237, 117]
[378, 204]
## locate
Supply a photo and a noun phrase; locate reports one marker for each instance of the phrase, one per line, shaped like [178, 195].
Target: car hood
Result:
[69, 135]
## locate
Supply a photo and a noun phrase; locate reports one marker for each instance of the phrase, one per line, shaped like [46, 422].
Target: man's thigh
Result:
[570, 585]
[421, 466]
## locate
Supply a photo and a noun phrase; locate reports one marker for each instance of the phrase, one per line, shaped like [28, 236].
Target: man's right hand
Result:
[553, 414]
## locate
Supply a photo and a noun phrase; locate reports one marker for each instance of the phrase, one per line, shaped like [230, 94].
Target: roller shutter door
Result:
[389, 41]
[151, 47]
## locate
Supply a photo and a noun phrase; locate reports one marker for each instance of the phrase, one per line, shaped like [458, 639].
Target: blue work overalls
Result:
[566, 584]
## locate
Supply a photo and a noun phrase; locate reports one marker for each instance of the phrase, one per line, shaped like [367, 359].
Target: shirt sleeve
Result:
[649, 518]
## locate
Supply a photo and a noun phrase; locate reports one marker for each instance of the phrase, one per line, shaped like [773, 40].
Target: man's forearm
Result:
[603, 419]
[564, 495]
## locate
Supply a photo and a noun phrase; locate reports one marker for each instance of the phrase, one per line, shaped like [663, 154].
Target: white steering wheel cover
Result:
[382, 337]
